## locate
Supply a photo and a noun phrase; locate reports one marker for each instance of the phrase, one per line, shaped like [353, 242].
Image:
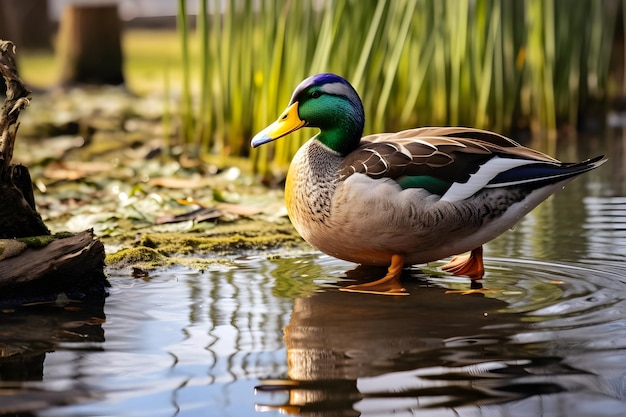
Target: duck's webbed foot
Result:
[388, 285]
[470, 265]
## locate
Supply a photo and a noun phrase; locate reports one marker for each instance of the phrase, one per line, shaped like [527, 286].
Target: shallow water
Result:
[544, 335]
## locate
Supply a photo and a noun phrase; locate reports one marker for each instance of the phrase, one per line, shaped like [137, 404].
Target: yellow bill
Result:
[288, 122]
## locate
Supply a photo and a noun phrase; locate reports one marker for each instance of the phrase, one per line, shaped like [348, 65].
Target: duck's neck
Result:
[342, 135]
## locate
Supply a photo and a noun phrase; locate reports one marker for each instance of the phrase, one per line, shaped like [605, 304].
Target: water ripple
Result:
[605, 227]
[184, 342]
[546, 329]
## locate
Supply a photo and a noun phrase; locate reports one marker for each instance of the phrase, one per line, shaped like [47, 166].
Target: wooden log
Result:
[72, 265]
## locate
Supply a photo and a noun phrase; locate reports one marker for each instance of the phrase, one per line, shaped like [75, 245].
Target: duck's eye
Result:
[315, 94]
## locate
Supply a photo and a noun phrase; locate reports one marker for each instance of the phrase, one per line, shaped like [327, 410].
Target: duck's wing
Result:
[455, 162]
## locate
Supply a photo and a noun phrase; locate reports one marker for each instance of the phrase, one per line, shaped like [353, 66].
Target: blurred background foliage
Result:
[503, 65]
[517, 67]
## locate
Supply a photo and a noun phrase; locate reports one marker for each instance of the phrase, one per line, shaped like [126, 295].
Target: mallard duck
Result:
[411, 197]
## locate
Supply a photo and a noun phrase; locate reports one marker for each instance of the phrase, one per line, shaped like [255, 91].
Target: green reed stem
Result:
[485, 63]
[186, 129]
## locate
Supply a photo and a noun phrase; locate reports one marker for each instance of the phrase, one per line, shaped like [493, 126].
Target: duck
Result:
[409, 197]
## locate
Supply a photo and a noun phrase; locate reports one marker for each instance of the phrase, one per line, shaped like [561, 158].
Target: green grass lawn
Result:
[148, 56]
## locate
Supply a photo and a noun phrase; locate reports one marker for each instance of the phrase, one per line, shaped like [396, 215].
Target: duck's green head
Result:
[325, 101]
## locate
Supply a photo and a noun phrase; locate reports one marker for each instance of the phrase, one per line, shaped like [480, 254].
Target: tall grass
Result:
[496, 64]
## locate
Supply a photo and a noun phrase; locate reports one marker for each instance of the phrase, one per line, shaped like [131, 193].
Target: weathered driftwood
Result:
[18, 216]
[72, 265]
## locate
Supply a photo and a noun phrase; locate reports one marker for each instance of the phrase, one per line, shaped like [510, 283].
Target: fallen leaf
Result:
[199, 215]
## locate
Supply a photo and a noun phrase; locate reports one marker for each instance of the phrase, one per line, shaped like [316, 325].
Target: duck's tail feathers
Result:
[543, 173]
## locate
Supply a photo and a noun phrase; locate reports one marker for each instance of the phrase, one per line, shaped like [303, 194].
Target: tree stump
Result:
[26, 22]
[44, 267]
[90, 45]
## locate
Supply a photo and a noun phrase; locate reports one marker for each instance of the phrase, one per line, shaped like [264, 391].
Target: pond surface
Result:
[544, 335]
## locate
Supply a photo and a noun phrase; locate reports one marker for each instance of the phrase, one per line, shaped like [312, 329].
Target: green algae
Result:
[224, 240]
[147, 259]
[43, 240]
[139, 257]
[201, 249]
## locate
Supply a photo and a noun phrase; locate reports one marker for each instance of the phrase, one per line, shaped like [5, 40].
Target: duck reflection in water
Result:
[353, 354]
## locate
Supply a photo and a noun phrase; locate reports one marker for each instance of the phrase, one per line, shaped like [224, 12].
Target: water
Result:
[545, 334]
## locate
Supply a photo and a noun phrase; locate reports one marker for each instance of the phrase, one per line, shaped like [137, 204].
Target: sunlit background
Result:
[227, 68]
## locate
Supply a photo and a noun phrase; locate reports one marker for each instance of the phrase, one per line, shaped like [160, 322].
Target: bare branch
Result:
[16, 100]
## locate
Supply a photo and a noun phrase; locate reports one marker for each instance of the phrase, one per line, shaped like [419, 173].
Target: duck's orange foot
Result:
[388, 285]
[471, 265]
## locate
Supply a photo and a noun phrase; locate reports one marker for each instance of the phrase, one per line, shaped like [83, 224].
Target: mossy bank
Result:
[200, 249]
